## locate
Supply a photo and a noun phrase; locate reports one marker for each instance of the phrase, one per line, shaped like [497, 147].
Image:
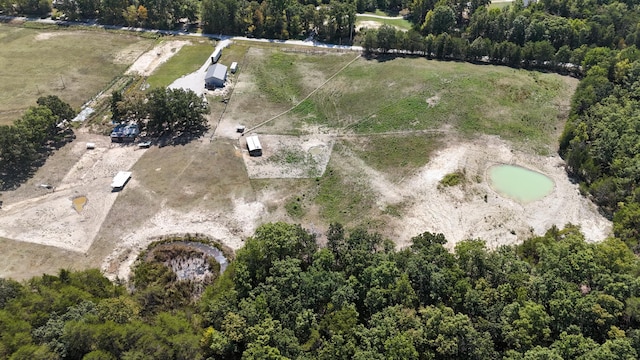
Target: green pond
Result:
[520, 184]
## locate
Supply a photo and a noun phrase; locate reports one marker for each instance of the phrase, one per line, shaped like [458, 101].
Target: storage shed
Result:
[234, 67]
[253, 144]
[216, 76]
[120, 180]
[216, 55]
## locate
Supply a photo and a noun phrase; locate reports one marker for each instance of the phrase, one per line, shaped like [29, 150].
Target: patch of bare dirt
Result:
[129, 54]
[50, 218]
[475, 210]
[148, 62]
[433, 101]
[289, 156]
[46, 35]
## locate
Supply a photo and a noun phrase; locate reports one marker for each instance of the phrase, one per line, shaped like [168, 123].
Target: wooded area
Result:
[553, 297]
[31, 139]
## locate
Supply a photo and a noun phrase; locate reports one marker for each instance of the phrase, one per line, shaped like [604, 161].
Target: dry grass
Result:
[75, 65]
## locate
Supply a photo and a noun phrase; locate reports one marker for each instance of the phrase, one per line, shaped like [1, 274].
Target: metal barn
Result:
[216, 76]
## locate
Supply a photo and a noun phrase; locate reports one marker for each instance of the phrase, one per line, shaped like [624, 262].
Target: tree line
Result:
[32, 138]
[283, 297]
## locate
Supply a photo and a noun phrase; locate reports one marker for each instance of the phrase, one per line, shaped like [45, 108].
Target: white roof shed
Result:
[253, 144]
[120, 179]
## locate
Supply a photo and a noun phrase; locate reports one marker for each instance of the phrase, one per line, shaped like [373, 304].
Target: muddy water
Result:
[520, 184]
[79, 203]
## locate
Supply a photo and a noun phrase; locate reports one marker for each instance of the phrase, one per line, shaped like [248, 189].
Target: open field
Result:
[187, 59]
[75, 65]
[362, 142]
[375, 22]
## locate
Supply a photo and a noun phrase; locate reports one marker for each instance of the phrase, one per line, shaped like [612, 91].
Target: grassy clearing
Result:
[341, 199]
[190, 174]
[397, 156]
[73, 64]
[398, 23]
[380, 97]
[500, 5]
[234, 52]
[279, 79]
[270, 81]
[189, 59]
[342, 192]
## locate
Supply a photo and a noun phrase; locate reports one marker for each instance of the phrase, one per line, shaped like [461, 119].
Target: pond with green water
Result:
[520, 184]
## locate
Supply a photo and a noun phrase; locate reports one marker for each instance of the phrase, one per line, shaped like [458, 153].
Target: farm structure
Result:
[254, 146]
[216, 55]
[125, 133]
[120, 180]
[216, 76]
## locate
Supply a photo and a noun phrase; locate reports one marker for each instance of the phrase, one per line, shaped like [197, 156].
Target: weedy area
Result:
[74, 65]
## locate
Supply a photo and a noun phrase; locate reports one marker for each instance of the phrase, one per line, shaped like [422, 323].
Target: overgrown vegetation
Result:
[554, 297]
[452, 179]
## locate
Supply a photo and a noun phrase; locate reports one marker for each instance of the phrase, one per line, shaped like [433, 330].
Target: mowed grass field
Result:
[72, 64]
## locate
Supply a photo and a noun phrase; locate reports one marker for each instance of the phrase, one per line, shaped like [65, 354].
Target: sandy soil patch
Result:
[230, 228]
[461, 212]
[292, 157]
[46, 35]
[51, 219]
[368, 24]
[129, 54]
[149, 61]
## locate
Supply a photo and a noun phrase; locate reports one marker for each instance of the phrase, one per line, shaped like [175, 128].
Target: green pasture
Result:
[411, 94]
[189, 59]
[72, 64]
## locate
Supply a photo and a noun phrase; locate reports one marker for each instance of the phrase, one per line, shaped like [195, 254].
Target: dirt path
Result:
[148, 62]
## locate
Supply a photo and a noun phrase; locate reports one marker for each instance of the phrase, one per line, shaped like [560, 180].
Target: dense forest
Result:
[283, 297]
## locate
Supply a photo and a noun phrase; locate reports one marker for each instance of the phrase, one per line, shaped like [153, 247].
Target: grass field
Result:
[75, 65]
[189, 59]
[399, 23]
[379, 97]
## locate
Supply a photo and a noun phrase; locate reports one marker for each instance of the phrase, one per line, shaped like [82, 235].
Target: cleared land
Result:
[373, 22]
[363, 142]
[74, 65]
